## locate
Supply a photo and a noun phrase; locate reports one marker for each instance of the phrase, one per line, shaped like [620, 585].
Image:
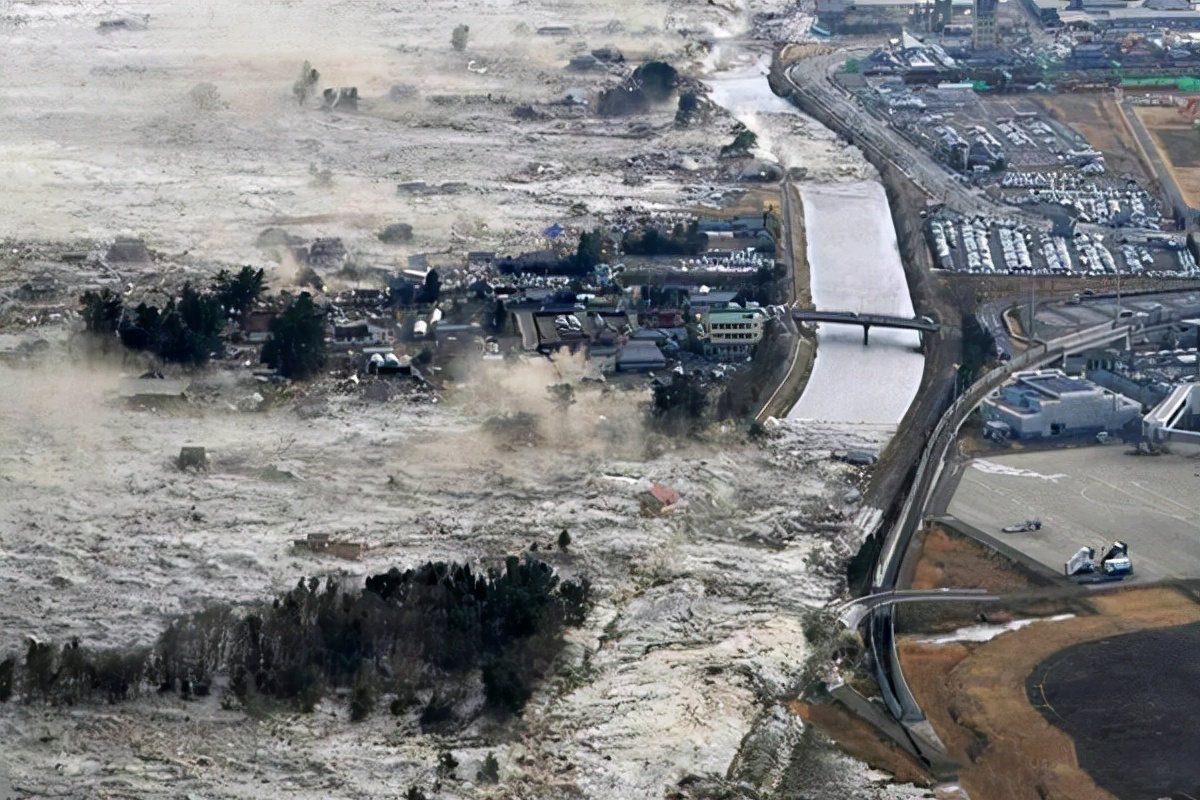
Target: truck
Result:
[1114, 562]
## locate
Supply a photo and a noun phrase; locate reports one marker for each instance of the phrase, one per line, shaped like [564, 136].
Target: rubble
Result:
[678, 651]
[696, 622]
[658, 501]
[127, 250]
[321, 543]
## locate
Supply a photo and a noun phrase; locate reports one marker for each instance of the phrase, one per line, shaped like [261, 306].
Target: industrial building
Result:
[983, 25]
[730, 332]
[1120, 14]
[1049, 403]
[872, 16]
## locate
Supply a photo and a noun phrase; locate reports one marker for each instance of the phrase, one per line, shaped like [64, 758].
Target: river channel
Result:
[853, 257]
[855, 266]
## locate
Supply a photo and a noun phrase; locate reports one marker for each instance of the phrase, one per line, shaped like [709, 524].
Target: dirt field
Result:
[1178, 145]
[976, 696]
[1097, 117]
[1148, 717]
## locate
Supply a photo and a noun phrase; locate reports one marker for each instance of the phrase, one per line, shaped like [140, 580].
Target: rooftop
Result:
[711, 298]
[1056, 385]
[736, 314]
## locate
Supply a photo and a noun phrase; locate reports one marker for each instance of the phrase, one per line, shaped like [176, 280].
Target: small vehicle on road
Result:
[1028, 526]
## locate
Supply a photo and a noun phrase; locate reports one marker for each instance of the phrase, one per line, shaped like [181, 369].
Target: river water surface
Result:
[855, 266]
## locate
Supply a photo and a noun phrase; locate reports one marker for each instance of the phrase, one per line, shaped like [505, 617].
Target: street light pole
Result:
[1117, 312]
[1032, 310]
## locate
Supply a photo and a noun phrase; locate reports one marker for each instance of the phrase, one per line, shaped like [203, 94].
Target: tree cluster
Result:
[589, 253]
[187, 330]
[742, 144]
[683, 240]
[978, 347]
[423, 631]
[296, 348]
[680, 402]
[431, 290]
[237, 291]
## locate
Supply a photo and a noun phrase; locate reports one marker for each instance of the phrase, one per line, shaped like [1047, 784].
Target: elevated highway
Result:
[878, 614]
[852, 614]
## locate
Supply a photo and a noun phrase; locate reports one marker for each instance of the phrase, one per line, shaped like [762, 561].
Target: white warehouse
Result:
[1049, 403]
[1177, 418]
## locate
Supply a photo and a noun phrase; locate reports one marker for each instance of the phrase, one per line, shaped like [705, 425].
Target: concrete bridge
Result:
[922, 324]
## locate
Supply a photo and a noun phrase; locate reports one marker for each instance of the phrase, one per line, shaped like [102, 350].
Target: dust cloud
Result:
[104, 539]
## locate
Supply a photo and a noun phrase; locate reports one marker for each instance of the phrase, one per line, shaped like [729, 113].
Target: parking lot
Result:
[1089, 496]
[1004, 246]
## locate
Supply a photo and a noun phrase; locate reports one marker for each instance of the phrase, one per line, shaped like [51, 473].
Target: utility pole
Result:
[1032, 310]
[1117, 312]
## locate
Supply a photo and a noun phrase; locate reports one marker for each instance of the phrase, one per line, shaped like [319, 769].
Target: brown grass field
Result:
[859, 739]
[1178, 144]
[976, 700]
[1098, 118]
[951, 560]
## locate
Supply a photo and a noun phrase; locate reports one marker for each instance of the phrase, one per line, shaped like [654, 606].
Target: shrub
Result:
[102, 311]
[431, 290]
[742, 144]
[437, 711]
[8, 675]
[447, 763]
[362, 698]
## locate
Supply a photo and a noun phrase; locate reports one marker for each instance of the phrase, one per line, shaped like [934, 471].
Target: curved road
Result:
[854, 612]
